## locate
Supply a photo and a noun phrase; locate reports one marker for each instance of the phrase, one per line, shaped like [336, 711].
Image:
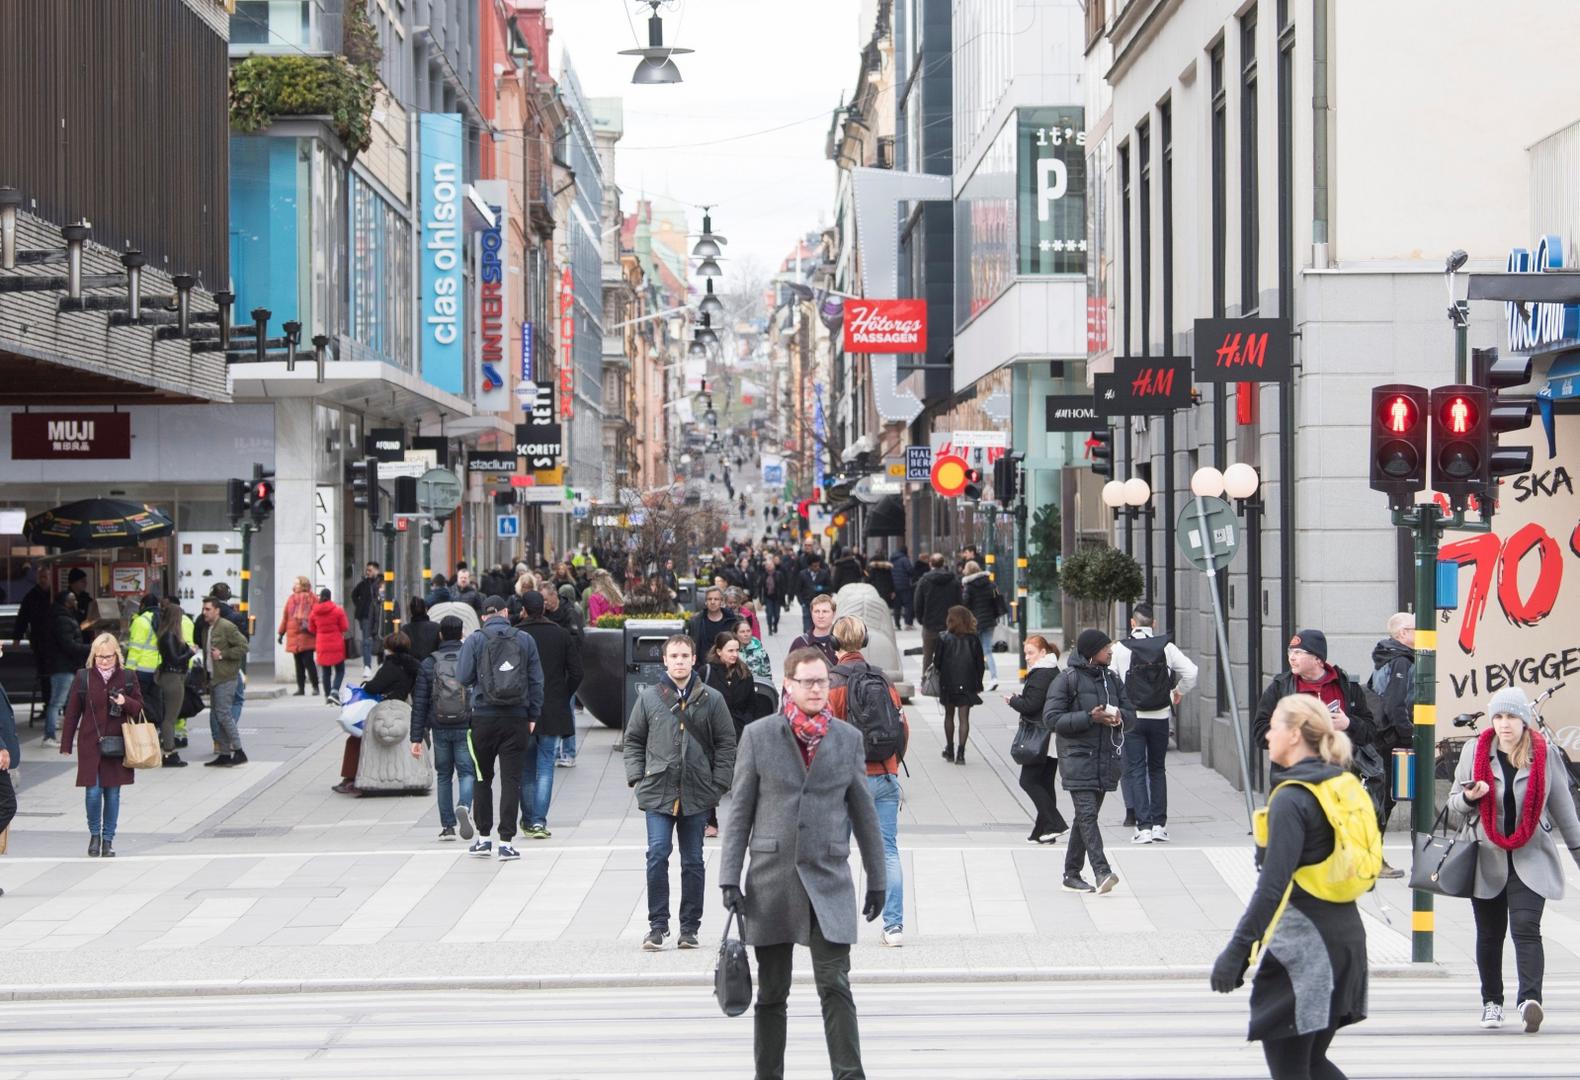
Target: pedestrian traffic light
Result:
[1459, 441]
[1399, 430]
[236, 500]
[261, 499]
[1504, 415]
[405, 495]
[973, 488]
[1100, 448]
[360, 473]
[1006, 478]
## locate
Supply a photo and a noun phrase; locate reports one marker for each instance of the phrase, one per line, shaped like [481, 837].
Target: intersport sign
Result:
[885, 326]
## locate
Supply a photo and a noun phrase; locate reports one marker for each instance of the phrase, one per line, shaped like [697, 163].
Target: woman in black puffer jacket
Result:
[982, 597]
[1036, 779]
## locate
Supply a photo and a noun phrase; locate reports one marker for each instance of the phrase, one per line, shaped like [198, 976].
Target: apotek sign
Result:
[885, 326]
[441, 250]
[567, 341]
[491, 302]
[68, 436]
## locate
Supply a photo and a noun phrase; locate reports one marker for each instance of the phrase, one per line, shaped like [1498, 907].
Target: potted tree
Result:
[1103, 575]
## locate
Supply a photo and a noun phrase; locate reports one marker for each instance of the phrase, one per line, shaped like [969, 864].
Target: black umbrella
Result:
[97, 523]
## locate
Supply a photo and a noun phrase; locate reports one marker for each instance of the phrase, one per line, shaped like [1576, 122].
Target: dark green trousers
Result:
[831, 972]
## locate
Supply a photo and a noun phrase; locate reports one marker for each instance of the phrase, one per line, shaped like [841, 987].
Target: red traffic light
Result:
[261, 490]
[1458, 414]
[1399, 414]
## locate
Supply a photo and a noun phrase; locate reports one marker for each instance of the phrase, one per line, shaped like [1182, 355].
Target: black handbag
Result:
[732, 976]
[1031, 743]
[1445, 864]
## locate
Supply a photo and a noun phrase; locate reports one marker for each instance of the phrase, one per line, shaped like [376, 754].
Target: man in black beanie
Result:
[1088, 713]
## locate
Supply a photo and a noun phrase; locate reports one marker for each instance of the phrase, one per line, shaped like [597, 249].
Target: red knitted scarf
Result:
[1535, 792]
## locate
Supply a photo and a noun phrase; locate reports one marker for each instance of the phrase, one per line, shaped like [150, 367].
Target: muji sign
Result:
[63, 436]
[885, 326]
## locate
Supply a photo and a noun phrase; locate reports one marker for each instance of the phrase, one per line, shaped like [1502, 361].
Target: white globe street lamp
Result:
[1114, 494]
[1137, 492]
[1241, 481]
[1206, 482]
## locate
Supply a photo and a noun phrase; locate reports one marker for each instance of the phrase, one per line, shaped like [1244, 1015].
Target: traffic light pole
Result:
[391, 616]
[247, 529]
[1426, 523]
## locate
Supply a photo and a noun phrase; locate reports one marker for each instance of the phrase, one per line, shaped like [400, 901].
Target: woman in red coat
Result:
[296, 637]
[328, 625]
[101, 697]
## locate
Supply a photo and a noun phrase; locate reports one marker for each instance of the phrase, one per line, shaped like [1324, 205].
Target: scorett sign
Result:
[885, 326]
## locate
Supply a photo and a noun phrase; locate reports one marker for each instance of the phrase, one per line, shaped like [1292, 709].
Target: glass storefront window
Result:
[985, 230]
[285, 25]
[287, 231]
[381, 279]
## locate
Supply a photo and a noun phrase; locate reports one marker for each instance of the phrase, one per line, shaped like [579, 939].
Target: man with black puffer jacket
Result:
[1310, 673]
[440, 711]
[1390, 695]
[1090, 716]
[937, 592]
[500, 664]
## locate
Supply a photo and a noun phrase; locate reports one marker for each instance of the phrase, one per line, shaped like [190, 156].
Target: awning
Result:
[1563, 384]
[887, 518]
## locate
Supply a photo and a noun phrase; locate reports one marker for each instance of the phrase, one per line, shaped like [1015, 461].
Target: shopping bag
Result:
[1031, 743]
[930, 682]
[141, 740]
[357, 703]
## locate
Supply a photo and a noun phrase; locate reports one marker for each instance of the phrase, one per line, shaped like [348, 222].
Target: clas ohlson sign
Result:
[441, 189]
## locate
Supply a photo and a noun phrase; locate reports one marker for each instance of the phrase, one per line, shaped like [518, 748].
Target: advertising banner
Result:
[1518, 620]
[496, 462]
[567, 357]
[1050, 190]
[441, 189]
[885, 326]
[492, 313]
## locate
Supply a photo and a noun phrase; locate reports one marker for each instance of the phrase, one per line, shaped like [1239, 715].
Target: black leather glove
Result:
[280, 640]
[1228, 971]
[734, 900]
[874, 905]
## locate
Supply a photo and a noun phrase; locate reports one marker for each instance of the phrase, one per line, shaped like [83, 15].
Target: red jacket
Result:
[298, 606]
[328, 624]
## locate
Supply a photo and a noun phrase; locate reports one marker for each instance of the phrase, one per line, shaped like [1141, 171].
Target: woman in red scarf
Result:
[1514, 783]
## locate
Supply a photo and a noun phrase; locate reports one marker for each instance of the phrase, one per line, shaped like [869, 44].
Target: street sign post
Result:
[438, 496]
[507, 526]
[1209, 536]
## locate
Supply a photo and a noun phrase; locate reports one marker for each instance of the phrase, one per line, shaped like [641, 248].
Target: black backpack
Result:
[450, 708]
[870, 708]
[1149, 682]
[502, 672]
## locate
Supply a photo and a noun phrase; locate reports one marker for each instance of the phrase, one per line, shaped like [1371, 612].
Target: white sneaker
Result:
[894, 938]
[1142, 836]
[992, 684]
[1531, 1013]
[1160, 835]
[1491, 1015]
[48, 741]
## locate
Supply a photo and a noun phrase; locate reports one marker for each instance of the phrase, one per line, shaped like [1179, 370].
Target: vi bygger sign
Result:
[885, 326]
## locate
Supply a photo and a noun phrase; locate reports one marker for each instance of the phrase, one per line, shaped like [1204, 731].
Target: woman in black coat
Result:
[730, 676]
[1036, 779]
[393, 681]
[423, 631]
[960, 667]
[982, 596]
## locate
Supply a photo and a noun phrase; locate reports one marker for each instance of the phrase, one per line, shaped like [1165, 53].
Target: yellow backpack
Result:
[1350, 872]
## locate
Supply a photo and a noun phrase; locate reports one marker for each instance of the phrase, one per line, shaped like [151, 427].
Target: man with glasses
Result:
[1310, 673]
[800, 793]
[680, 756]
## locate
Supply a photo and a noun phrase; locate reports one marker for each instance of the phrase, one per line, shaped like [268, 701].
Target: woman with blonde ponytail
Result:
[1312, 976]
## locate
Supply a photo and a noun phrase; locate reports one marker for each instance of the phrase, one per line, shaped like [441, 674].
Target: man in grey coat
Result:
[679, 755]
[800, 792]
